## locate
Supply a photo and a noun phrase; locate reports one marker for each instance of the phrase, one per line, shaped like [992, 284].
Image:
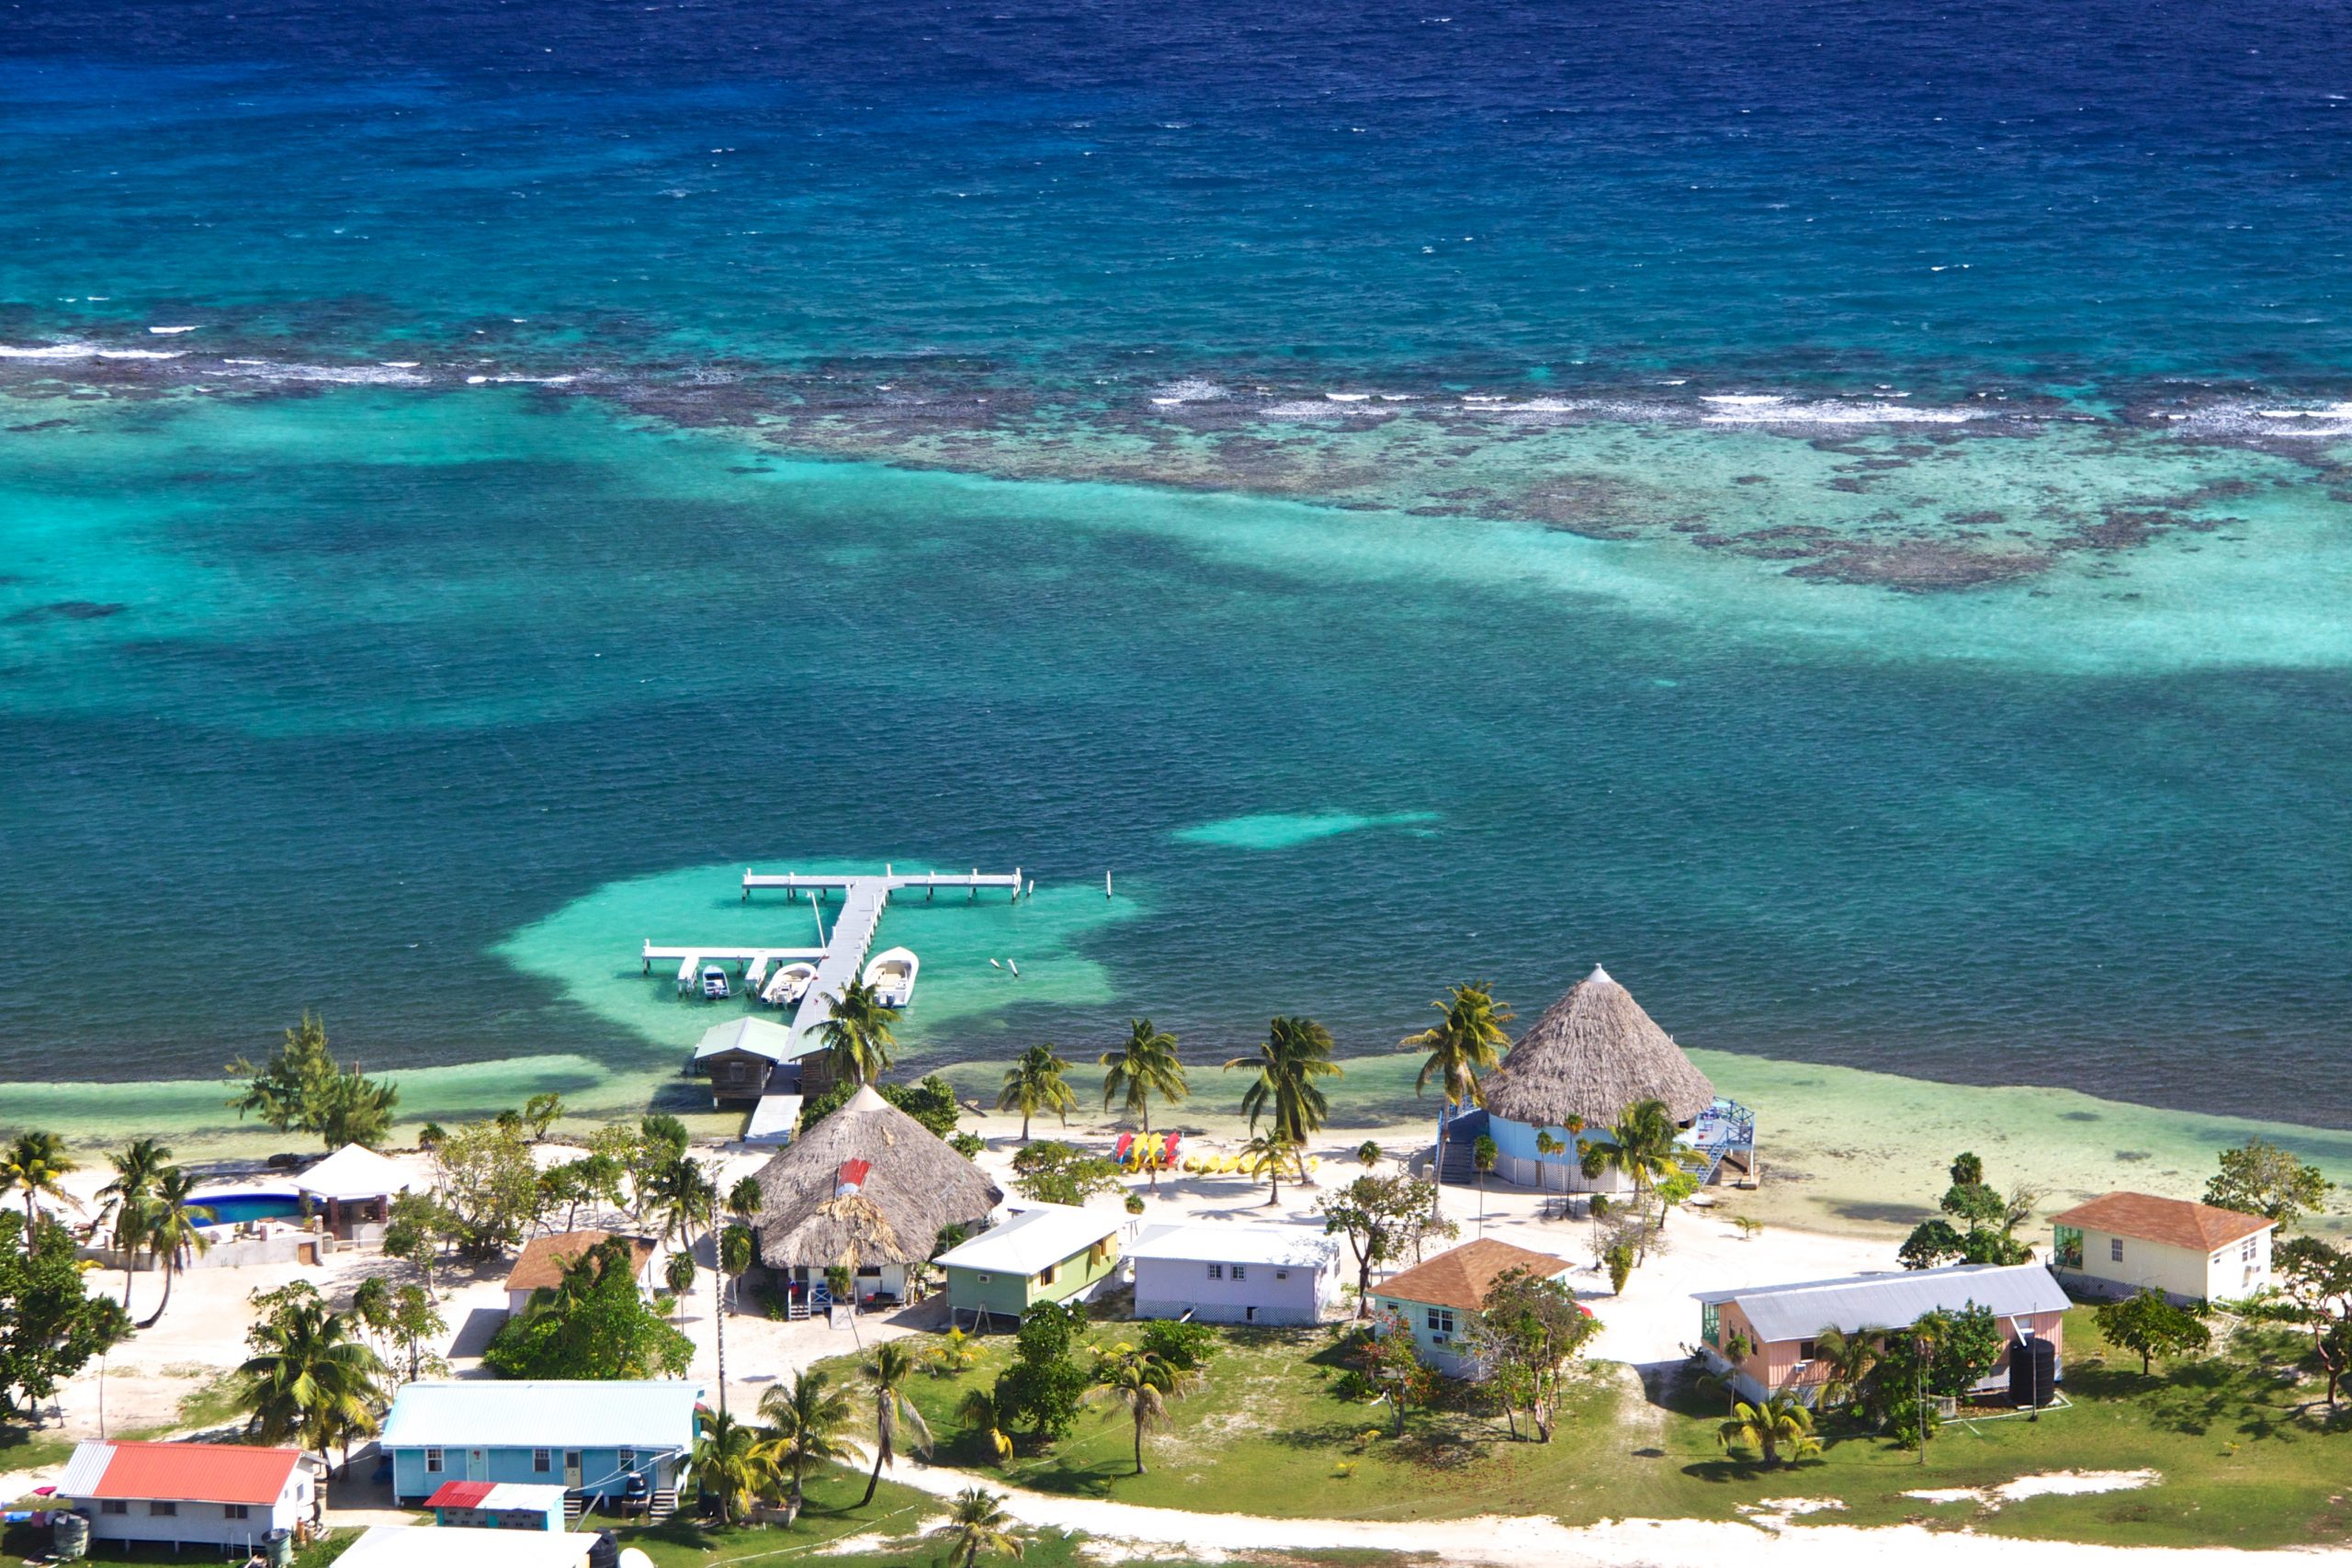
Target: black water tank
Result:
[603, 1551]
[2033, 1373]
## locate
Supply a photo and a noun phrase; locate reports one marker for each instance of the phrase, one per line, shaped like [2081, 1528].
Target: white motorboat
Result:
[892, 975]
[714, 984]
[791, 983]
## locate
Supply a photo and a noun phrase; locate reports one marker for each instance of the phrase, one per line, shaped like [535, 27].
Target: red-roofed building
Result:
[2124, 1242]
[212, 1495]
[497, 1506]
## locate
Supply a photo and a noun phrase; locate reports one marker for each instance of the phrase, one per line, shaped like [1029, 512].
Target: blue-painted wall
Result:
[601, 1474]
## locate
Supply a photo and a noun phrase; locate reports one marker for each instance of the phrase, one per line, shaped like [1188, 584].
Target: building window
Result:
[1804, 1350]
[1441, 1320]
[433, 1462]
[113, 1506]
[983, 1278]
[1711, 1323]
[1216, 1270]
[542, 1461]
[1240, 1271]
[628, 1458]
[1282, 1273]
[1046, 1275]
[2252, 1248]
[234, 1511]
[162, 1511]
[2115, 1249]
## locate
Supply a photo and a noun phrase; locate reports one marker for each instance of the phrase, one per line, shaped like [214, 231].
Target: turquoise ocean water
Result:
[1842, 519]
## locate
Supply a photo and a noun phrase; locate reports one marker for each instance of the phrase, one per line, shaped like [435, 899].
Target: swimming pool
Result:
[242, 1207]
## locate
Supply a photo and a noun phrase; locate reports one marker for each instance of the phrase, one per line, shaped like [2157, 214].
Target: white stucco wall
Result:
[2178, 1272]
[1281, 1293]
[204, 1523]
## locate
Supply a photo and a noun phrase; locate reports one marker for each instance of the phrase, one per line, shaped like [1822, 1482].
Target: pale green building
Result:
[1049, 1253]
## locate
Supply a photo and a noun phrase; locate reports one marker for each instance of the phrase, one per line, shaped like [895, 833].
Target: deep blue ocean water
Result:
[612, 438]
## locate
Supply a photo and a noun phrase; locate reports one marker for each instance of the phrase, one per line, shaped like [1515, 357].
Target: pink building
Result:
[1773, 1327]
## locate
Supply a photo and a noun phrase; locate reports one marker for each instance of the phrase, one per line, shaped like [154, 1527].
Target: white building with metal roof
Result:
[1236, 1273]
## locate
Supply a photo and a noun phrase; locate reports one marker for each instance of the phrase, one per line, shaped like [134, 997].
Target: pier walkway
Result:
[840, 961]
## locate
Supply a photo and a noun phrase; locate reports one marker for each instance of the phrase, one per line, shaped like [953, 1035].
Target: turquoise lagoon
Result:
[1842, 516]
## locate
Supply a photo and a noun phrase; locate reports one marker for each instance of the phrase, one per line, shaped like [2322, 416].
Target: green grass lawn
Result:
[1265, 1434]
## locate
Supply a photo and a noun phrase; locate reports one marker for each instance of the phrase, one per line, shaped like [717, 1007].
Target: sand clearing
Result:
[2051, 1483]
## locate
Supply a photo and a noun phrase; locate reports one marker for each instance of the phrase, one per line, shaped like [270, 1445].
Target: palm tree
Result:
[1849, 1360]
[885, 1378]
[128, 1200]
[1641, 1145]
[976, 1523]
[1266, 1155]
[744, 1198]
[685, 1198]
[857, 1035]
[310, 1378]
[1296, 1052]
[679, 1275]
[732, 1462]
[1771, 1427]
[1483, 1155]
[735, 1250]
[808, 1418]
[33, 1165]
[1144, 1383]
[1033, 1084]
[977, 1410]
[1461, 1047]
[1145, 1066]
[176, 1232]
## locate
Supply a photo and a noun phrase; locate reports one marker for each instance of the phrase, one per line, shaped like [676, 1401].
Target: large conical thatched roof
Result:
[1593, 1054]
[915, 1187]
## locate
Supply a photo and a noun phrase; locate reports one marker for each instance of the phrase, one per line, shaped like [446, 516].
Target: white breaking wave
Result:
[62, 352]
[336, 374]
[169, 331]
[1189, 390]
[1760, 410]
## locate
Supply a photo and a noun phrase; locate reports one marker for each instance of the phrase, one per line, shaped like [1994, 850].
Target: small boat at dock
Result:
[791, 983]
[892, 975]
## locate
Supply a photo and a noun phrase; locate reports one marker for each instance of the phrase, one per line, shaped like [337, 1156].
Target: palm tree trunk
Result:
[1138, 1446]
[1024, 1126]
[873, 1479]
[718, 1318]
[171, 1267]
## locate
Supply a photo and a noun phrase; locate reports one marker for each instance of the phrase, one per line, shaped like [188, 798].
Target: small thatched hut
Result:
[1592, 1055]
[867, 1188]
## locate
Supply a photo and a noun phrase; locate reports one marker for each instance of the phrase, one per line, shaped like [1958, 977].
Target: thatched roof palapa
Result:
[915, 1186]
[1594, 1055]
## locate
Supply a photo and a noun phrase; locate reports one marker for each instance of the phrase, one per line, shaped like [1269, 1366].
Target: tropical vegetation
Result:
[856, 1034]
[304, 1089]
[1034, 1083]
[1295, 1052]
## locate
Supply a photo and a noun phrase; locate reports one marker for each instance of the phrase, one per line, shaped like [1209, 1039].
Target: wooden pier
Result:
[793, 884]
[840, 961]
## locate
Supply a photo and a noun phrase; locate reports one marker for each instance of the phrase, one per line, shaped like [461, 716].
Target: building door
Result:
[571, 1467]
[477, 1464]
